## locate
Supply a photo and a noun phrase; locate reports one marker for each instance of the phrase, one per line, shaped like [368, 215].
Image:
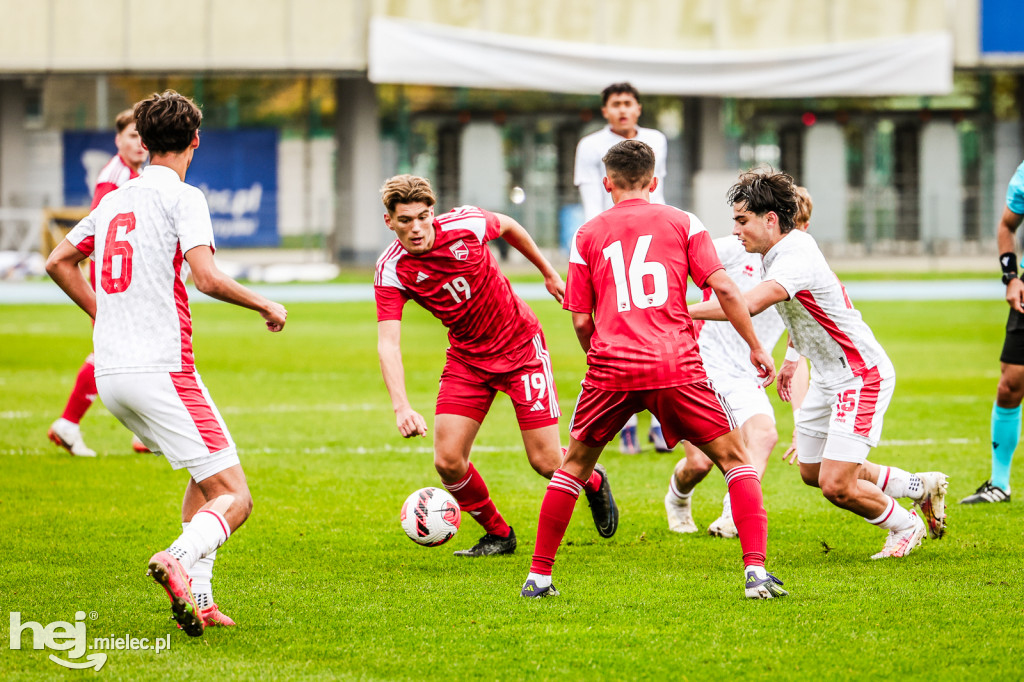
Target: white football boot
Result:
[723, 526]
[680, 515]
[901, 543]
[69, 436]
[933, 504]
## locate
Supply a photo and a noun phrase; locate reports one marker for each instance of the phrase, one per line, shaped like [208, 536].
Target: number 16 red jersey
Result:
[460, 283]
[628, 267]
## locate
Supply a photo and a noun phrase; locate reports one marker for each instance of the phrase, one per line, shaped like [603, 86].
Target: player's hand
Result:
[764, 365]
[275, 315]
[410, 423]
[785, 376]
[790, 453]
[1015, 294]
[555, 286]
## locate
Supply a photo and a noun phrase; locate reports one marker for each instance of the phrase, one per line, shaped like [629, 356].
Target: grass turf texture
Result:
[323, 582]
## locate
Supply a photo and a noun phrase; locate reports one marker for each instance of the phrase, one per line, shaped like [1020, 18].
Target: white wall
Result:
[940, 201]
[825, 178]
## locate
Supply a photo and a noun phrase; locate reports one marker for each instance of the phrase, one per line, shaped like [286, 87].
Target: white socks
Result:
[726, 507]
[207, 531]
[894, 518]
[202, 577]
[539, 580]
[681, 498]
[899, 483]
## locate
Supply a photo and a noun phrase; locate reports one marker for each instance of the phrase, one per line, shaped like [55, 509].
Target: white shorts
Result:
[174, 415]
[853, 411]
[745, 398]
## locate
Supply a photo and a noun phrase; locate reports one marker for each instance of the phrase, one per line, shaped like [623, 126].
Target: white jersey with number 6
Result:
[138, 236]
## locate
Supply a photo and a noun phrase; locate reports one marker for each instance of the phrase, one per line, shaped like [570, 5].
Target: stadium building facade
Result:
[901, 116]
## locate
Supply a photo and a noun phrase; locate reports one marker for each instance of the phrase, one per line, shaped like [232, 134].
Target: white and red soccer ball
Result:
[431, 516]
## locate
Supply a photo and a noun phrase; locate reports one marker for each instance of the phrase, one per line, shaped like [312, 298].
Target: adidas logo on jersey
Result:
[537, 407]
[421, 276]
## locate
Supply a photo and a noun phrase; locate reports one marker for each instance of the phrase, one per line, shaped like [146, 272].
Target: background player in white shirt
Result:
[124, 166]
[145, 370]
[620, 106]
[852, 379]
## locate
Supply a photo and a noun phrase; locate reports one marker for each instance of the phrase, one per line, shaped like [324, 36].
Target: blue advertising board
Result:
[235, 169]
[1002, 27]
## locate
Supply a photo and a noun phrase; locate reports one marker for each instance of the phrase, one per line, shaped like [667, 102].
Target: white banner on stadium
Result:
[412, 52]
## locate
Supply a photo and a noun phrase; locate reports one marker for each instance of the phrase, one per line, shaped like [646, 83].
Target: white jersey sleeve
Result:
[83, 235]
[192, 220]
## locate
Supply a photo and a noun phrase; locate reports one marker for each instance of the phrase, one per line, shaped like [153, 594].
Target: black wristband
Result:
[1008, 262]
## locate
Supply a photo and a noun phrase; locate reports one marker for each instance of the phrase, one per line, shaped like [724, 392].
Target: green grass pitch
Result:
[324, 584]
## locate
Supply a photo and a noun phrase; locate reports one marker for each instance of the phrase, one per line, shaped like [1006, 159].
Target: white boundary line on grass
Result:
[426, 450]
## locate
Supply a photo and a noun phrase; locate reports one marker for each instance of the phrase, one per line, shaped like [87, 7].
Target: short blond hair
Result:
[406, 189]
[804, 206]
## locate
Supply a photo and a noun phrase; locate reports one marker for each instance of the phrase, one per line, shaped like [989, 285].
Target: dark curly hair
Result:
[766, 189]
[167, 122]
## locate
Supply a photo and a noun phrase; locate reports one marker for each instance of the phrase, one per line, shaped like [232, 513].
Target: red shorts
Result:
[468, 389]
[693, 412]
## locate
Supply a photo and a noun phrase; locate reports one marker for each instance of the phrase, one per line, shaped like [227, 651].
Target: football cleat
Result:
[603, 507]
[212, 617]
[680, 515]
[490, 545]
[138, 445]
[656, 436]
[68, 435]
[987, 493]
[628, 444]
[901, 543]
[170, 575]
[531, 591]
[762, 587]
[933, 504]
[723, 527]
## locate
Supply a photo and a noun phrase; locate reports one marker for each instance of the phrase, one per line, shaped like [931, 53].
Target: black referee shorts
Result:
[1013, 346]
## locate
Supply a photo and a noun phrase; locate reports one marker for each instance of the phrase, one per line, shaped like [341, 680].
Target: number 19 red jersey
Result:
[628, 267]
[459, 282]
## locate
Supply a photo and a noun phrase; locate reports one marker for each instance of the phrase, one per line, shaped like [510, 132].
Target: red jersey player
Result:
[125, 165]
[496, 345]
[627, 293]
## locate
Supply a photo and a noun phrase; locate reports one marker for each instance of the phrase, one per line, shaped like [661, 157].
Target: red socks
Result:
[748, 513]
[473, 497]
[555, 514]
[83, 394]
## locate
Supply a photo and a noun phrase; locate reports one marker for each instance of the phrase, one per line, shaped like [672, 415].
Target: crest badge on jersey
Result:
[460, 250]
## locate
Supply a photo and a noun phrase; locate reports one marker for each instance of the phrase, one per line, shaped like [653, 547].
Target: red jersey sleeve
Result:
[703, 258]
[390, 302]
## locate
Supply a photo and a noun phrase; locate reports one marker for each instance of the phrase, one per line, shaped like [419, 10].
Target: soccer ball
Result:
[431, 516]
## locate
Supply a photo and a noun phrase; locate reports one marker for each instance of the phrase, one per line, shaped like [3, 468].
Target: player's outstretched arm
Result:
[215, 284]
[520, 240]
[389, 348]
[1005, 238]
[734, 306]
[62, 266]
